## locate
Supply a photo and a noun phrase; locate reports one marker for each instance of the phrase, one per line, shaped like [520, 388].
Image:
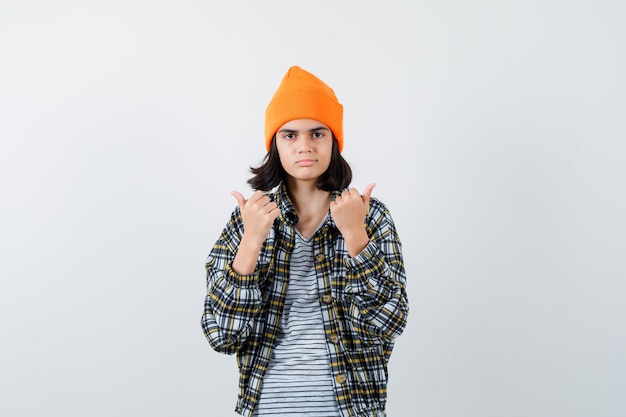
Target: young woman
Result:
[306, 284]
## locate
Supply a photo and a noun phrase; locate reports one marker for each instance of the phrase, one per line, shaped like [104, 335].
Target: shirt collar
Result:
[288, 213]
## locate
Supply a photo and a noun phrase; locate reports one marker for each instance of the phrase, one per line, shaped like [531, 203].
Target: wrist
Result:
[246, 256]
[250, 243]
[356, 242]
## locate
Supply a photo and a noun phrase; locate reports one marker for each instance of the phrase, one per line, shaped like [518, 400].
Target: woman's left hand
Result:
[348, 211]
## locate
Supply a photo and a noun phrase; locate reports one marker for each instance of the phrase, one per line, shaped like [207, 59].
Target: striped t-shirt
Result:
[298, 380]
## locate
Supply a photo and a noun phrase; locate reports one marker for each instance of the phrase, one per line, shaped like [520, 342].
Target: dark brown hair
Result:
[271, 173]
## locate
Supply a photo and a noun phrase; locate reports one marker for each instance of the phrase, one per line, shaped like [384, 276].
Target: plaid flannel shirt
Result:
[363, 301]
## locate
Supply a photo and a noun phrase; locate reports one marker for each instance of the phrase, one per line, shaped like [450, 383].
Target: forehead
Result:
[303, 125]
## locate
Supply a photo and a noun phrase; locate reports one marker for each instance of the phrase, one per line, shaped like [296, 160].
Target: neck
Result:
[308, 200]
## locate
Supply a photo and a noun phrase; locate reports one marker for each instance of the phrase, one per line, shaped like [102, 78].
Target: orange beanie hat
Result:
[301, 95]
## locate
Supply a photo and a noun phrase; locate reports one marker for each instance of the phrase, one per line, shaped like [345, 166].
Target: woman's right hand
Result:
[258, 214]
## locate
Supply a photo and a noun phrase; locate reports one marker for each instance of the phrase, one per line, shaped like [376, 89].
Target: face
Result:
[305, 148]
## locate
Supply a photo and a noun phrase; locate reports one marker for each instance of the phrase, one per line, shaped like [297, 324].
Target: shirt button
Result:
[334, 339]
[341, 378]
[327, 298]
[320, 257]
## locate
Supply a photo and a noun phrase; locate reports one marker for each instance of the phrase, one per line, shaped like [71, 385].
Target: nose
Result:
[304, 143]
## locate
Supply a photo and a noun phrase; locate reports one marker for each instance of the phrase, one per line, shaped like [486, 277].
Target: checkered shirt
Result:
[363, 301]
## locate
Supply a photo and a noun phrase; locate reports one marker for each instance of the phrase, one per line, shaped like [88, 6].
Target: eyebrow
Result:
[315, 129]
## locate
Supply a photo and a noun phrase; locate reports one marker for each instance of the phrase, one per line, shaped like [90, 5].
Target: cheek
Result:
[327, 159]
[328, 154]
[282, 152]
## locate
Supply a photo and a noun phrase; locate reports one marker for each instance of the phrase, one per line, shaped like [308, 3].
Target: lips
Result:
[305, 162]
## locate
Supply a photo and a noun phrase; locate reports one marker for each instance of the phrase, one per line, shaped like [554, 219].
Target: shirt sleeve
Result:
[233, 300]
[376, 281]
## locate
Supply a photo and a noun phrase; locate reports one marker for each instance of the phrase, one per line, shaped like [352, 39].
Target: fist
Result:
[349, 210]
[258, 214]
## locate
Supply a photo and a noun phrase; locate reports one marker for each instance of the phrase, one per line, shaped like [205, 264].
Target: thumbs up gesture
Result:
[258, 214]
[348, 211]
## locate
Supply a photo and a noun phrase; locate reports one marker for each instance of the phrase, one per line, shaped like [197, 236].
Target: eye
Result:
[289, 136]
[318, 135]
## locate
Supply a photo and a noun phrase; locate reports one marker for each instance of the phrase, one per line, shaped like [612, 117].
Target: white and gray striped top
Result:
[298, 380]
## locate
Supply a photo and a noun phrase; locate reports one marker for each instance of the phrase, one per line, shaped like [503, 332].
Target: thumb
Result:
[241, 200]
[367, 193]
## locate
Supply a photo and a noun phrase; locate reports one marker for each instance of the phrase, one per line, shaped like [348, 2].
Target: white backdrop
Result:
[495, 131]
